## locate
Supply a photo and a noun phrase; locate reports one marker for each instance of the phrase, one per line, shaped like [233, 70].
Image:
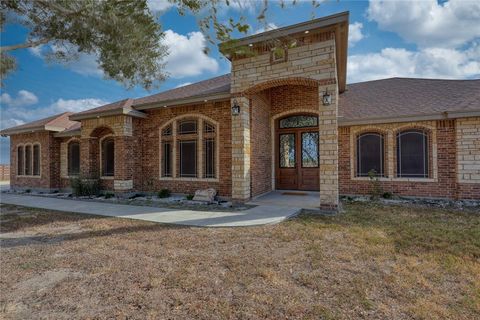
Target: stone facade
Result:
[310, 64]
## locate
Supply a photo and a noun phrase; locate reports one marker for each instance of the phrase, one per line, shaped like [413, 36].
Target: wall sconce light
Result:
[327, 98]
[235, 108]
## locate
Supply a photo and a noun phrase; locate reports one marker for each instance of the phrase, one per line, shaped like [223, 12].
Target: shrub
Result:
[85, 187]
[189, 197]
[387, 195]
[109, 195]
[28, 191]
[376, 188]
[136, 195]
[164, 193]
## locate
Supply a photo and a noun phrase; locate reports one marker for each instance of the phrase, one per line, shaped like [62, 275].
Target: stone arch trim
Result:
[294, 81]
[186, 116]
[91, 131]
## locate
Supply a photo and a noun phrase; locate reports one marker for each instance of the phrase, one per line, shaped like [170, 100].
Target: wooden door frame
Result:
[298, 141]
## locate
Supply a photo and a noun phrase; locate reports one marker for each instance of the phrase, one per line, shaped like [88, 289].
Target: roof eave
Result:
[184, 101]
[115, 112]
[409, 118]
[13, 131]
[71, 133]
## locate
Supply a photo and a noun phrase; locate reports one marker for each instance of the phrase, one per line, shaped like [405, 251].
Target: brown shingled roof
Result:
[401, 97]
[211, 86]
[57, 123]
[108, 107]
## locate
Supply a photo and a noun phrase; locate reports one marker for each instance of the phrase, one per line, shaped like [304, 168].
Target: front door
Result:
[297, 153]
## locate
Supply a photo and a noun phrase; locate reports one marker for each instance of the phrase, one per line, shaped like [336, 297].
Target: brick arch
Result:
[294, 81]
[101, 131]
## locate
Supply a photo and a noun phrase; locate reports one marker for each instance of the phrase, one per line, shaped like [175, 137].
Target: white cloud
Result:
[159, 5]
[16, 114]
[355, 33]
[428, 23]
[268, 27]
[24, 98]
[183, 84]
[426, 63]
[186, 55]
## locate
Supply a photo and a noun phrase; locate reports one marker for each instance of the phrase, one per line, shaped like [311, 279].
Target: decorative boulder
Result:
[207, 195]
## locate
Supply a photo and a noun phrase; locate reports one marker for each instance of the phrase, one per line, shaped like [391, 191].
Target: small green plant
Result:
[28, 191]
[189, 197]
[164, 193]
[136, 195]
[376, 188]
[109, 195]
[387, 195]
[82, 187]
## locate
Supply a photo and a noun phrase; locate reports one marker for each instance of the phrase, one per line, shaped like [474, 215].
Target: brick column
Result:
[241, 151]
[123, 163]
[89, 157]
[328, 149]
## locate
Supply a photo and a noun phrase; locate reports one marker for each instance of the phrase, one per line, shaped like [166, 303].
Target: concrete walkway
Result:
[260, 215]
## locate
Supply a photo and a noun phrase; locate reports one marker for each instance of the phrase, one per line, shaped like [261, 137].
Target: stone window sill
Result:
[24, 176]
[107, 177]
[189, 179]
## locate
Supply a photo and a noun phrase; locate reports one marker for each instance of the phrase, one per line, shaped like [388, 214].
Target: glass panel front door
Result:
[310, 149]
[287, 150]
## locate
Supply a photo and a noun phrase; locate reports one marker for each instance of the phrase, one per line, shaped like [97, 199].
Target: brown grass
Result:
[370, 262]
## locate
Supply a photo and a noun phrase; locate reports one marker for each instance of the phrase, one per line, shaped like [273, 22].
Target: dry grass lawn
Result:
[371, 262]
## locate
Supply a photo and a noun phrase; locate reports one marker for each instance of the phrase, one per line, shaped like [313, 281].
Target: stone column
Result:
[124, 164]
[328, 149]
[241, 151]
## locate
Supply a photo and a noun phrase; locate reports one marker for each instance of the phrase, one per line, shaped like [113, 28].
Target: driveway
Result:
[260, 215]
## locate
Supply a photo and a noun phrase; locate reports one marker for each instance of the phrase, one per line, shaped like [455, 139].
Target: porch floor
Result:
[289, 198]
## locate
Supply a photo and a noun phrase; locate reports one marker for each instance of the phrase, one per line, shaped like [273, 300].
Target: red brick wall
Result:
[47, 157]
[148, 148]
[445, 187]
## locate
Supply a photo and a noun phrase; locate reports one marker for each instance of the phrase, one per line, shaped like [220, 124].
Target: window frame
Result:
[102, 158]
[31, 155]
[207, 129]
[383, 149]
[20, 160]
[427, 165]
[69, 158]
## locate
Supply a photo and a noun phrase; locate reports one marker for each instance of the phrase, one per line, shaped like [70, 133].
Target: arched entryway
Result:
[296, 152]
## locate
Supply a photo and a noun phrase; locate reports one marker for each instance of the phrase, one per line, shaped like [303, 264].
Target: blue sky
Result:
[427, 39]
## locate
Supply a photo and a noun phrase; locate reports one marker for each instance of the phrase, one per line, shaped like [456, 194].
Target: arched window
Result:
[108, 157]
[20, 161]
[370, 154]
[412, 154]
[298, 122]
[28, 160]
[73, 158]
[190, 151]
[36, 160]
[209, 150]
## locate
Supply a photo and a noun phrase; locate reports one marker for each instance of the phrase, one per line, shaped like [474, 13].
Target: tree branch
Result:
[27, 44]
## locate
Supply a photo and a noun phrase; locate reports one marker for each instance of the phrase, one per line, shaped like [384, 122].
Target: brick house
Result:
[284, 118]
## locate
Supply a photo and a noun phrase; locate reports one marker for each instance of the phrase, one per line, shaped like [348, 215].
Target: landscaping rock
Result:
[207, 195]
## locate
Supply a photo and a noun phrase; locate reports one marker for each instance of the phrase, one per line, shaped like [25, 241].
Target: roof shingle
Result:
[396, 97]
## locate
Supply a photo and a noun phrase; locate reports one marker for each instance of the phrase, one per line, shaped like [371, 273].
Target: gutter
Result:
[184, 101]
[115, 112]
[434, 116]
[71, 133]
[7, 132]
